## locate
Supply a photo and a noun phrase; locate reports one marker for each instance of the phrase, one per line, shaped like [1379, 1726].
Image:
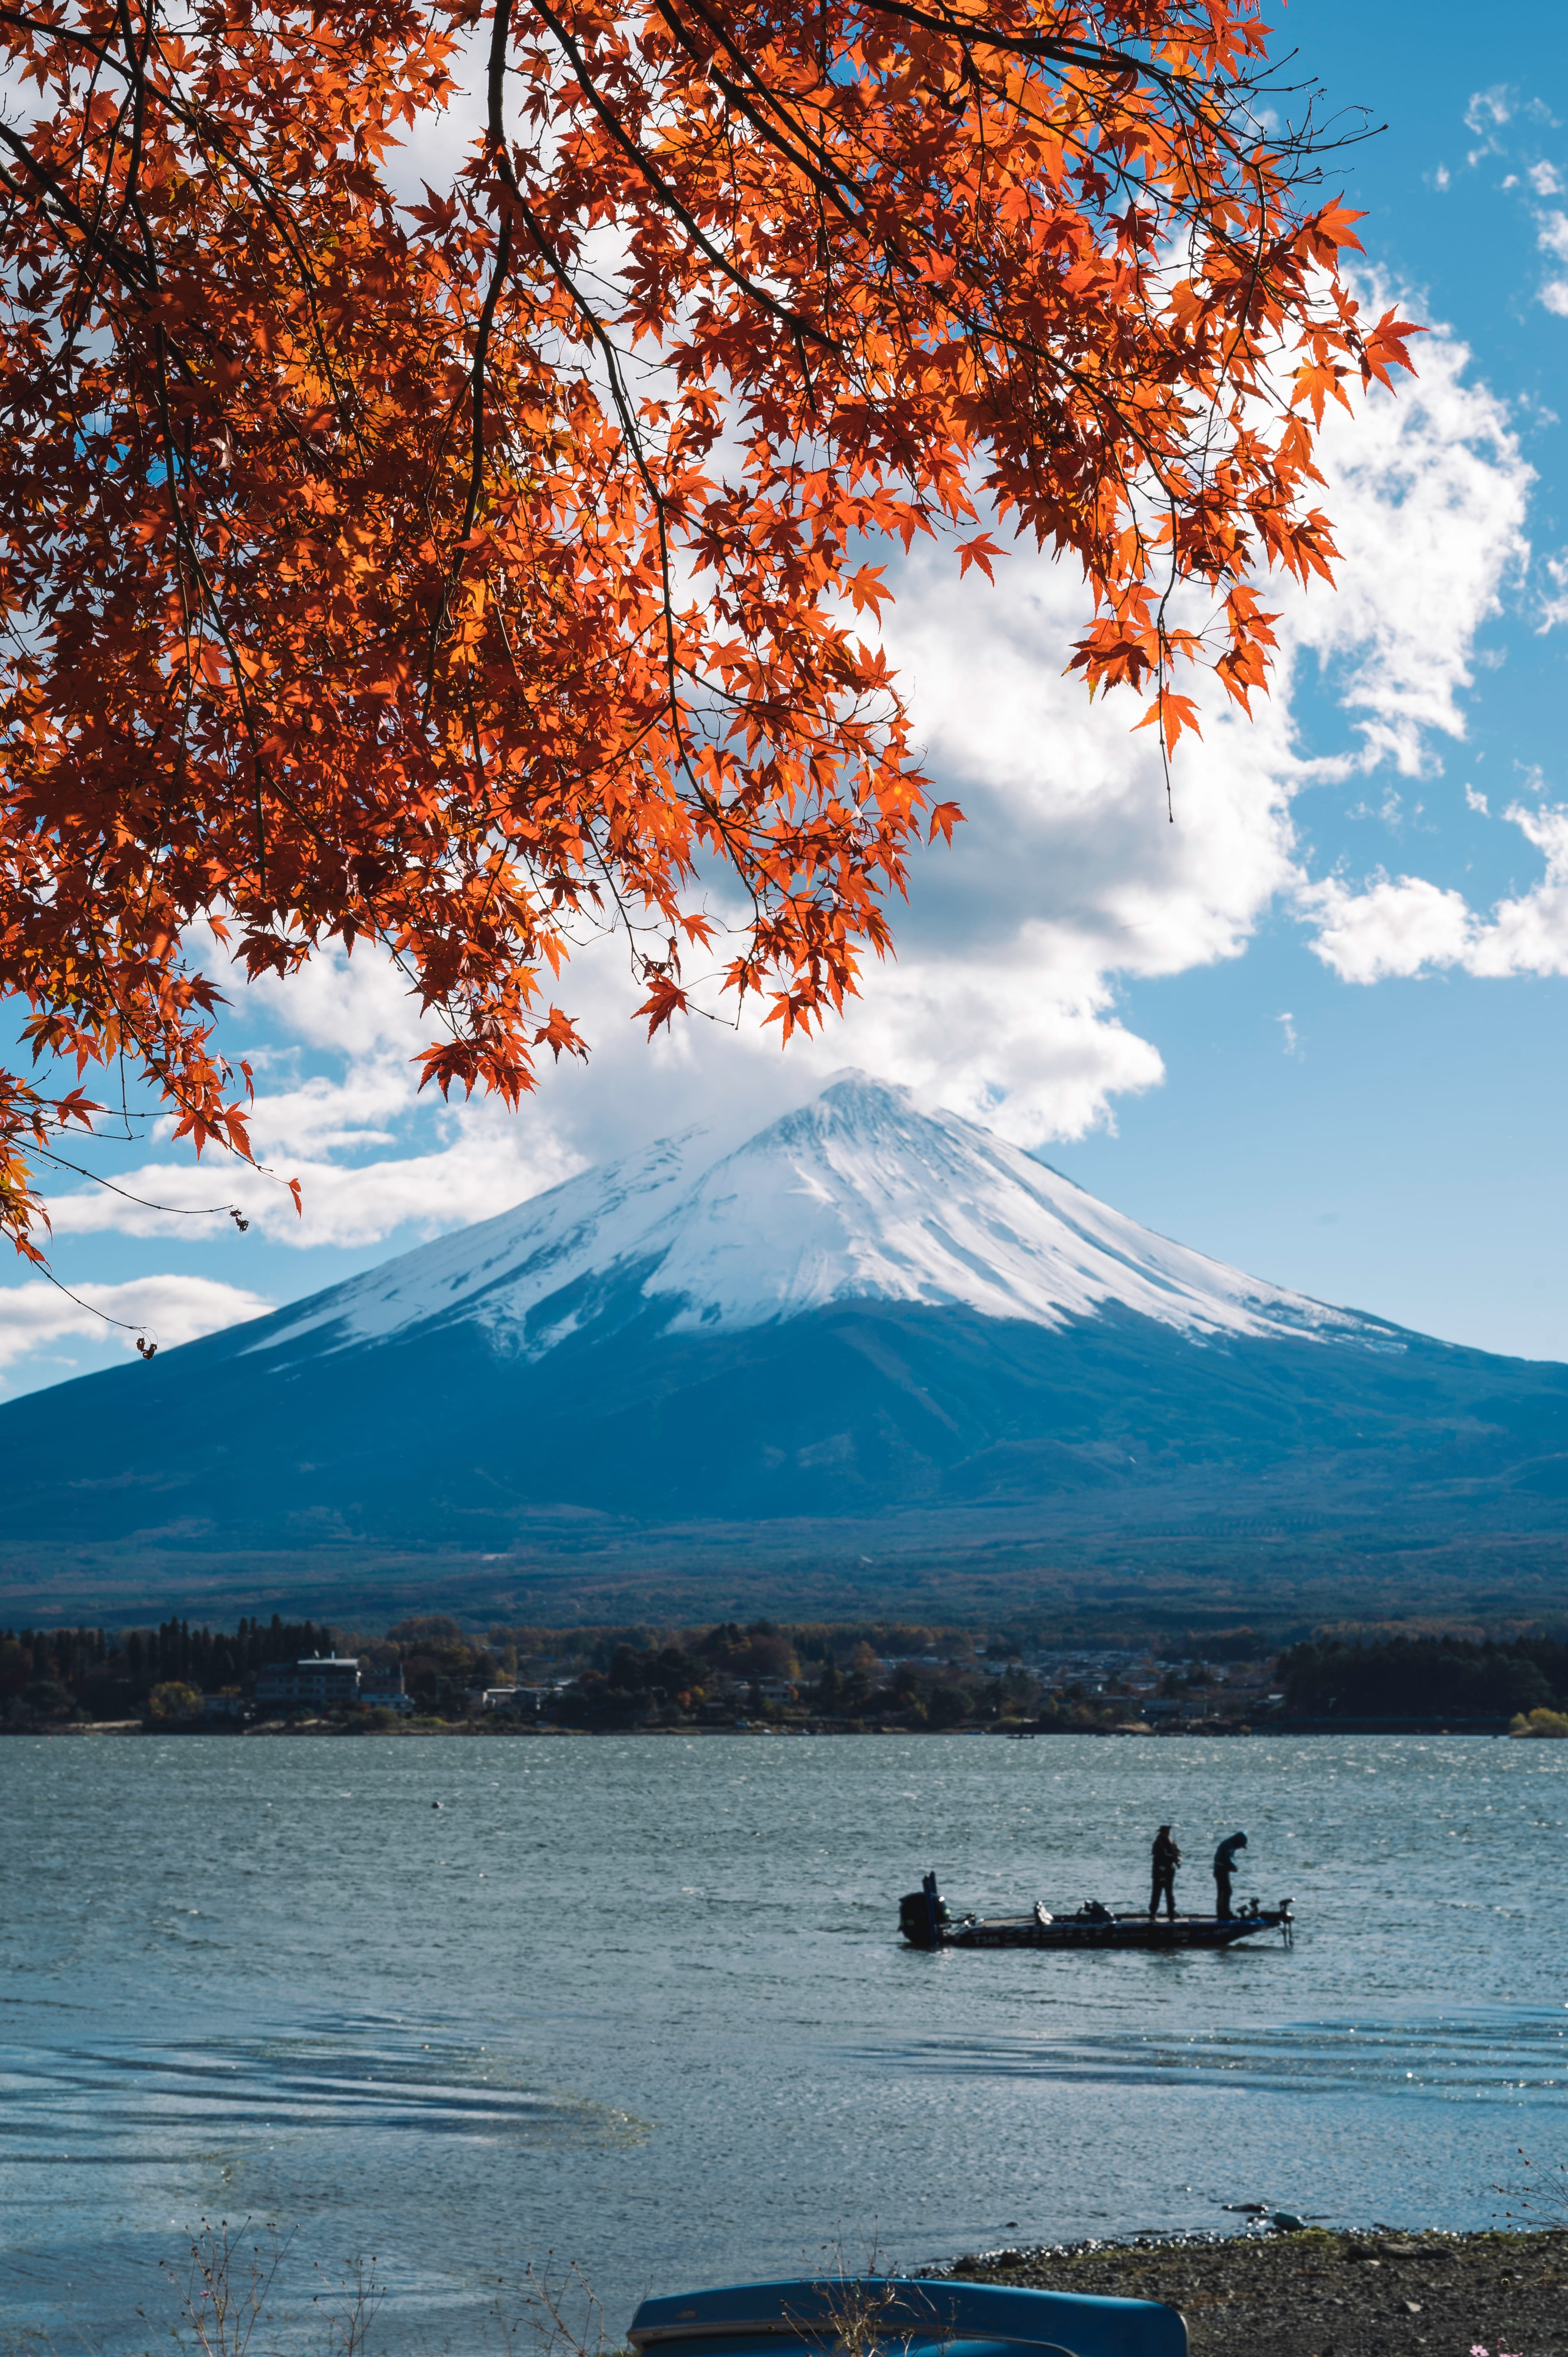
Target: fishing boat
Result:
[899, 2316]
[926, 1923]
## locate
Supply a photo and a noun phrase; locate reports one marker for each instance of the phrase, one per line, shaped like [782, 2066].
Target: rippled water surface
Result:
[641, 2003]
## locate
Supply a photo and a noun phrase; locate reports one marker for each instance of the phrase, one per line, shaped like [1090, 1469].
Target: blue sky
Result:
[1319, 1029]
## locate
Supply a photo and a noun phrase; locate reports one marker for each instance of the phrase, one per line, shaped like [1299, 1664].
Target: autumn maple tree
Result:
[460, 567]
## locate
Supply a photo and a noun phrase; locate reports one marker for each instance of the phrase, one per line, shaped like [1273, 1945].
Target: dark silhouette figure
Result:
[1224, 1867]
[1167, 1857]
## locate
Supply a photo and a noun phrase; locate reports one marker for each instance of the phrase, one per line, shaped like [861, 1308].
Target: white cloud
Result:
[1555, 604]
[1003, 1001]
[1484, 116]
[1490, 109]
[439, 1166]
[486, 1168]
[1428, 495]
[1488, 114]
[171, 1309]
[1066, 876]
[1553, 238]
[1393, 927]
[1405, 925]
[1530, 934]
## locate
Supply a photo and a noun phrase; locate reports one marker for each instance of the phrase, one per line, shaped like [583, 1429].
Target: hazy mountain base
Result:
[1279, 1583]
[872, 1455]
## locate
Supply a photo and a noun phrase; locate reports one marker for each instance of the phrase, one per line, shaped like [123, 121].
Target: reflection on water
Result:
[1516, 2052]
[641, 2003]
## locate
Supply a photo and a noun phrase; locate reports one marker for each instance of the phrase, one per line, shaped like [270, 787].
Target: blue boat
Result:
[901, 2315]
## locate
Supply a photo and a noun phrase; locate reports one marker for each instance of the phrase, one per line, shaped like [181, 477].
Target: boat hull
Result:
[885, 2316]
[1120, 1932]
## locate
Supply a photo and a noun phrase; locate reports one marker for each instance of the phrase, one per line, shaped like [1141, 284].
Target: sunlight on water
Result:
[118, 2096]
[1512, 2052]
[641, 2003]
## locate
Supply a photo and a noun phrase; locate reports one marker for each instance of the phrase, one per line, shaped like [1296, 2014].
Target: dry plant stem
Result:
[459, 575]
[1541, 2199]
[866, 2313]
[562, 2315]
[226, 2286]
[351, 2308]
[230, 2281]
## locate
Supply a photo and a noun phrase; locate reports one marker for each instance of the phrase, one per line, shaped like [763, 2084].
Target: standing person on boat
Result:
[1167, 1857]
[1224, 1867]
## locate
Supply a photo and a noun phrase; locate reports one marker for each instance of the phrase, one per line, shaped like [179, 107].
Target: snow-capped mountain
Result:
[863, 1314]
[857, 1196]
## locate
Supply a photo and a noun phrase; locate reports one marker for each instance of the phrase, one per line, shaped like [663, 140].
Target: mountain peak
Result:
[856, 1195]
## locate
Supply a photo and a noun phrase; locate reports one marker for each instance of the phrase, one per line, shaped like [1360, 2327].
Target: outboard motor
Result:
[922, 1913]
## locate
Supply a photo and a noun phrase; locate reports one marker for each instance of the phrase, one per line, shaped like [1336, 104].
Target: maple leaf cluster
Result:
[469, 573]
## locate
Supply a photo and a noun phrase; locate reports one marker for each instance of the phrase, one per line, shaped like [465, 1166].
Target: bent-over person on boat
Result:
[1224, 1867]
[1166, 1858]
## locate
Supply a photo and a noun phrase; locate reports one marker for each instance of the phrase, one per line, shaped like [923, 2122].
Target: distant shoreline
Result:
[497, 1727]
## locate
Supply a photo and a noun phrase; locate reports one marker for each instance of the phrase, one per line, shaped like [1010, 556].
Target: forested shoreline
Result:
[848, 1675]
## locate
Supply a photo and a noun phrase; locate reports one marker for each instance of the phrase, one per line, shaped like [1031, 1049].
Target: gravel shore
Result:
[1324, 2294]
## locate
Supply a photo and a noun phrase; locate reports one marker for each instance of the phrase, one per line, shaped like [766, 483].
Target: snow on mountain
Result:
[856, 1195]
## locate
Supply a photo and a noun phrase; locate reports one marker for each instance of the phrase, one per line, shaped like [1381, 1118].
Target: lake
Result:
[640, 2003]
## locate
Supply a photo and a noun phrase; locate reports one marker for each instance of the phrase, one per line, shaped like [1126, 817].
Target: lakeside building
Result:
[325, 1679]
[222, 1706]
[386, 1689]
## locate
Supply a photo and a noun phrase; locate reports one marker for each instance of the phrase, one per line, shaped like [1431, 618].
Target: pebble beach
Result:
[1318, 2294]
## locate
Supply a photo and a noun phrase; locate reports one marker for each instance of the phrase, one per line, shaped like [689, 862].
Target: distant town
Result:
[427, 1674]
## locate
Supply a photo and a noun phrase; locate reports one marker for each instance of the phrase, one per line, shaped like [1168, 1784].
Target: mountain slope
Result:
[862, 1311]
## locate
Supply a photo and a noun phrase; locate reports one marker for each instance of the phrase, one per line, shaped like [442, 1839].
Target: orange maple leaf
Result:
[979, 550]
[1170, 714]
